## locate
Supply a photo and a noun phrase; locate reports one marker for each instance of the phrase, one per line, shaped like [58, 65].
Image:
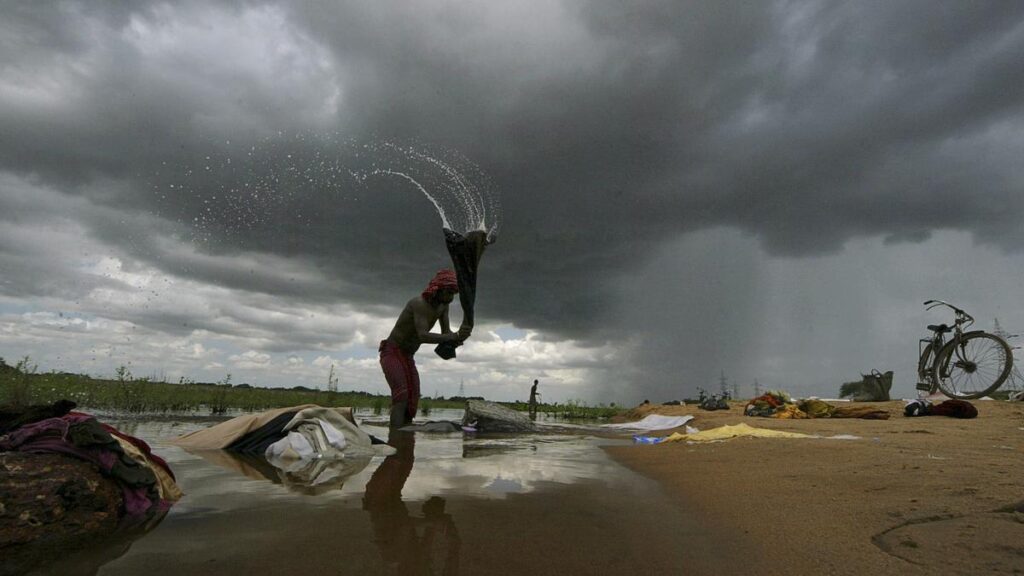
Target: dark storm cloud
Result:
[607, 127]
[804, 124]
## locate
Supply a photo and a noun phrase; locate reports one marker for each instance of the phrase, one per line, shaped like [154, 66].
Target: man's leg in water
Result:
[414, 393]
[398, 414]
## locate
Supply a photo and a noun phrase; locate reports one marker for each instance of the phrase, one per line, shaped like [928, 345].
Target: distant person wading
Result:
[533, 400]
[411, 330]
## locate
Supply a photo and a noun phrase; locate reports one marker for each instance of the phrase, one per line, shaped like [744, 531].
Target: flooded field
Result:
[446, 503]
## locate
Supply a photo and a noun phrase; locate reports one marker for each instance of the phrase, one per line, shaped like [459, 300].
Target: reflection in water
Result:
[309, 476]
[407, 543]
[239, 516]
[65, 559]
[497, 445]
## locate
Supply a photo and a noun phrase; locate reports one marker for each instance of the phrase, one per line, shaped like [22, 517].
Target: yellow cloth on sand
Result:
[734, 431]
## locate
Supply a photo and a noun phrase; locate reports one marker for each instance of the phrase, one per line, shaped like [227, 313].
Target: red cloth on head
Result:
[445, 278]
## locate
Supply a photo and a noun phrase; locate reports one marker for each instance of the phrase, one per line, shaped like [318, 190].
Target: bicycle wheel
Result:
[925, 364]
[977, 366]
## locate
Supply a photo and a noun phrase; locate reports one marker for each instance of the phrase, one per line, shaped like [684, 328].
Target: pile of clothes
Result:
[146, 482]
[778, 404]
[952, 408]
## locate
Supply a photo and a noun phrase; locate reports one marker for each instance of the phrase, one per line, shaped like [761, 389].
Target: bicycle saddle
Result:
[941, 328]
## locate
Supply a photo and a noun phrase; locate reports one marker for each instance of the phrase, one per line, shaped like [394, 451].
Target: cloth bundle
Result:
[322, 433]
[145, 480]
[326, 433]
[308, 448]
[767, 403]
[778, 404]
[952, 408]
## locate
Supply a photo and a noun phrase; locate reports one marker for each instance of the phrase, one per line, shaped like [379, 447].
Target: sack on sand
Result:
[873, 387]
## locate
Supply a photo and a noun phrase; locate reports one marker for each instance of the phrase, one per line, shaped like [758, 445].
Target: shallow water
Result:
[446, 503]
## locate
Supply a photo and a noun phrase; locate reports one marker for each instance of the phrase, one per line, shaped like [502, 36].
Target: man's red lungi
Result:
[403, 378]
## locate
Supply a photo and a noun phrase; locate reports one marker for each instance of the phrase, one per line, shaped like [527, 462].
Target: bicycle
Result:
[970, 365]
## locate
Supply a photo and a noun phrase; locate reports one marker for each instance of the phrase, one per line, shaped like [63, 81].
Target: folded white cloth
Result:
[294, 446]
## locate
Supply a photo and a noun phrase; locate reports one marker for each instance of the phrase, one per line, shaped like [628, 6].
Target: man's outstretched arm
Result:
[424, 334]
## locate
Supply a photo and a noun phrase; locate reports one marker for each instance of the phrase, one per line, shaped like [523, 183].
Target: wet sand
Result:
[927, 495]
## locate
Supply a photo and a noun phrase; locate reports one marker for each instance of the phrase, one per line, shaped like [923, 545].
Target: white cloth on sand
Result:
[652, 422]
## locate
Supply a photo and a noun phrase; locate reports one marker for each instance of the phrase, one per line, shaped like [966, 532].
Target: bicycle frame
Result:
[926, 359]
[932, 346]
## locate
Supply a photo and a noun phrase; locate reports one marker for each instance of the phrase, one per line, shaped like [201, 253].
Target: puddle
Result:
[446, 503]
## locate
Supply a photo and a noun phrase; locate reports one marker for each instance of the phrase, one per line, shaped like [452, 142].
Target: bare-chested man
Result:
[411, 330]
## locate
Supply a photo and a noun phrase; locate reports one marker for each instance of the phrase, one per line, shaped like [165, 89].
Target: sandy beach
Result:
[925, 495]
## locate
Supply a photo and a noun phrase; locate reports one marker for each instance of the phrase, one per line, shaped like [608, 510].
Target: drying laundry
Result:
[653, 422]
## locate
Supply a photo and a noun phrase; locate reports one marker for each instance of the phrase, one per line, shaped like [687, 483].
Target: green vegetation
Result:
[17, 379]
[571, 410]
[22, 384]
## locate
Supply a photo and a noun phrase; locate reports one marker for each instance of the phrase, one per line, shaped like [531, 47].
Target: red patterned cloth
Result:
[402, 377]
[445, 278]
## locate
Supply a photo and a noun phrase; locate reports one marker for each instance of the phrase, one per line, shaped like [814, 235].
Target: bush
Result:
[19, 387]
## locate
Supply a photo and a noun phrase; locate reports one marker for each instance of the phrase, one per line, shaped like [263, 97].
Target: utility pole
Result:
[332, 381]
[723, 383]
[1015, 380]
[462, 388]
[998, 331]
[757, 388]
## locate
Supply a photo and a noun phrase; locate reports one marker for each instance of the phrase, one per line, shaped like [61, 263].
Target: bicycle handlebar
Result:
[967, 318]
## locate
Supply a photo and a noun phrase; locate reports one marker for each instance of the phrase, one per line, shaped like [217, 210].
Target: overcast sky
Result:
[764, 190]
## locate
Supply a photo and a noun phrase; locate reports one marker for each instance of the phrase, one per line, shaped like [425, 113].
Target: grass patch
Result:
[22, 385]
[570, 410]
